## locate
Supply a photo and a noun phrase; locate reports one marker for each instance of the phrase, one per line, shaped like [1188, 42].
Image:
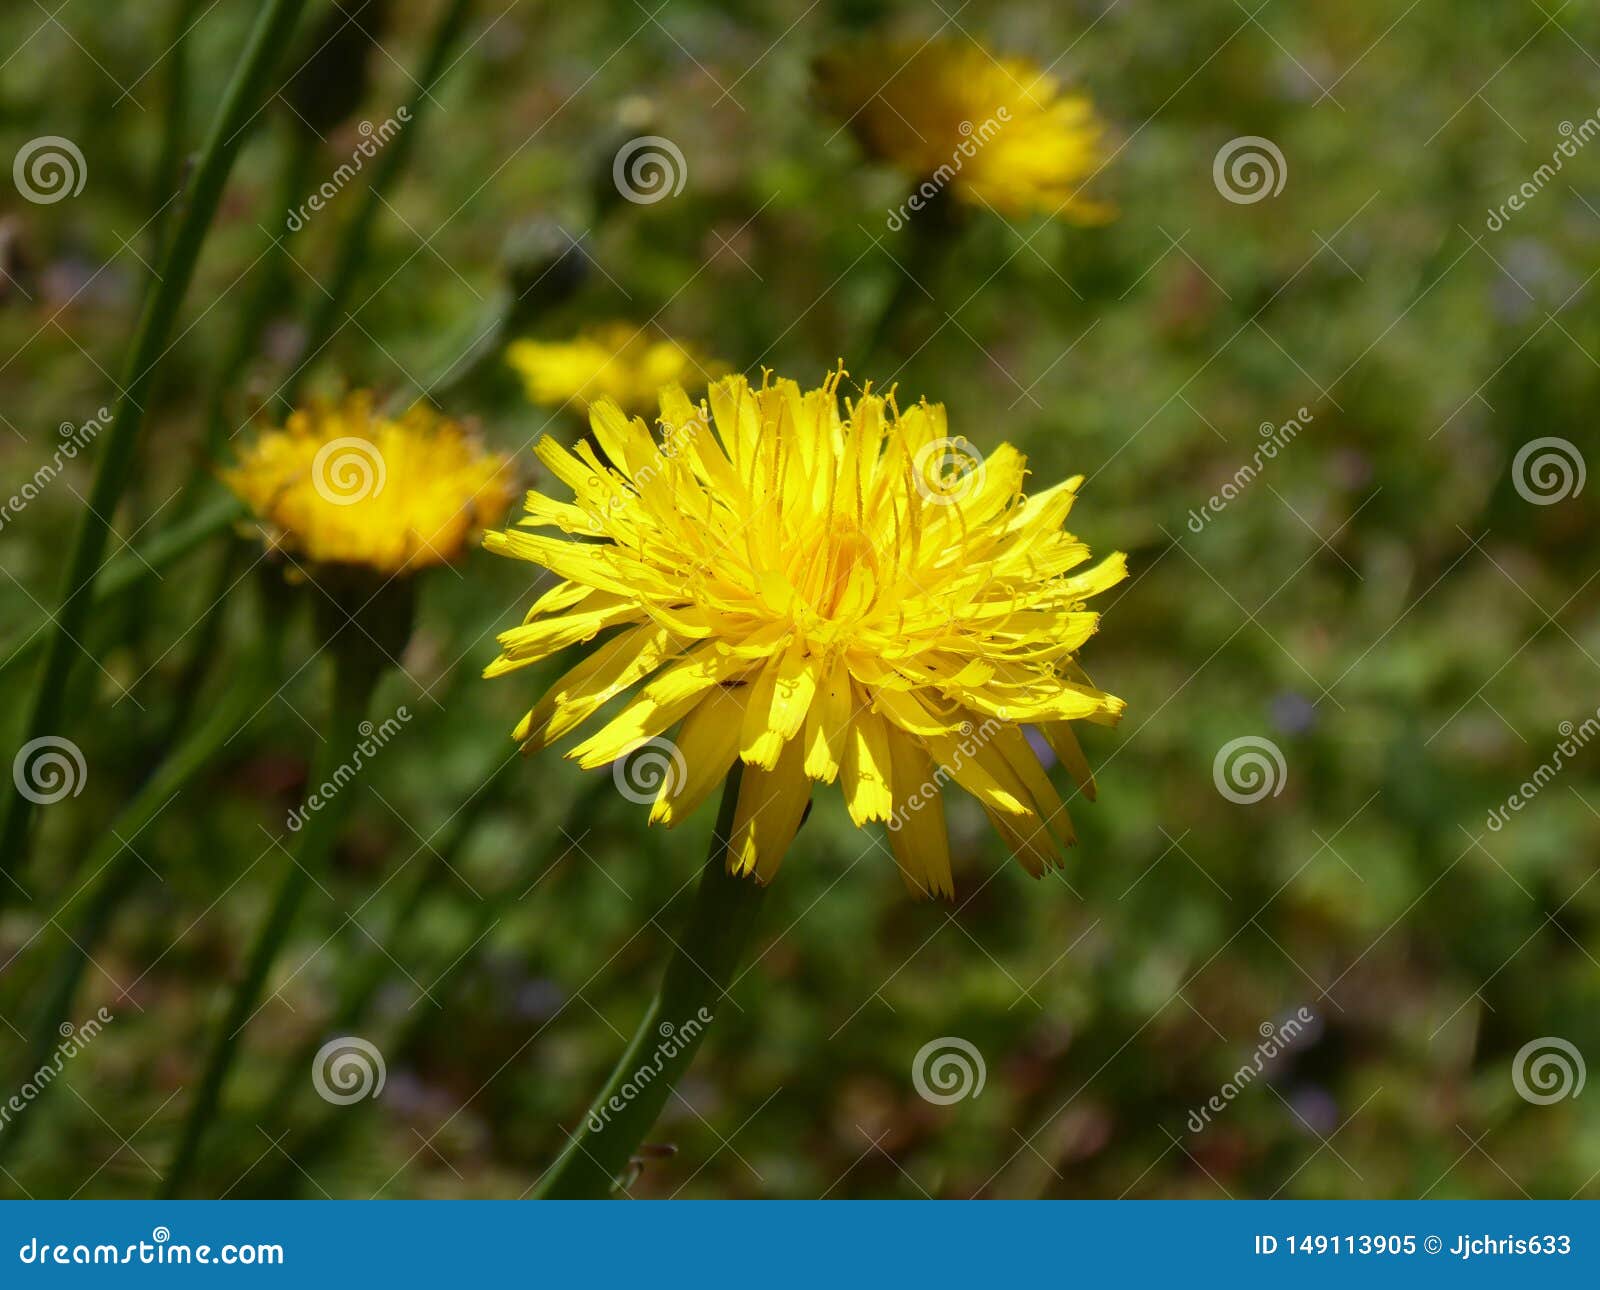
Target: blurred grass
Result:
[1381, 603]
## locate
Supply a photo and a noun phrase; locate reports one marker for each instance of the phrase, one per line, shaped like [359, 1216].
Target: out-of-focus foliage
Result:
[1380, 603]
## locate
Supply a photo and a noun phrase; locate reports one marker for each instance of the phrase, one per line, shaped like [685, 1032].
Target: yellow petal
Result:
[828, 724]
[664, 701]
[866, 768]
[793, 690]
[771, 805]
[1066, 746]
[708, 741]
[1013, 745]
[972, 763]
[917, 833]
[538, 640]
[625, 659]
[1027, 838]
[759, 744]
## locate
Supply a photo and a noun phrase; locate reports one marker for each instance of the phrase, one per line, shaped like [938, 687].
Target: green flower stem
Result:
[354, 679]
[391, 162]
[933, 232]
[697, 977]
[114, 467]
[119, 866]
[129, 571]
[174, 122]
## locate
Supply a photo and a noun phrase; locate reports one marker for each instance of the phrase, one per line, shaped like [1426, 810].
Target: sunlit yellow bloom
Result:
[343, 484]
[615, 361]
[822, 595]
[1001, 132]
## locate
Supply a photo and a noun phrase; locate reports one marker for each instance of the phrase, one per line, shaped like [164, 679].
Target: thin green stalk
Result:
[266, 293]
[357, 233]
[174, 123]
[668, 1036]
[118, 867]
[126, 624]
[130, 570]
[239, 105]
[354, 679]
[932, 234]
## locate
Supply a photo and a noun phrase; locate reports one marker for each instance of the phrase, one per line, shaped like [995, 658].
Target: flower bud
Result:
[333, 76]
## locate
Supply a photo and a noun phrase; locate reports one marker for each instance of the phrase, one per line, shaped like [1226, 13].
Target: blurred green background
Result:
[1382, 603]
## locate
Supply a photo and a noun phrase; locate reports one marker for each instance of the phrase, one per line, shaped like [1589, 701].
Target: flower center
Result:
[837, 575]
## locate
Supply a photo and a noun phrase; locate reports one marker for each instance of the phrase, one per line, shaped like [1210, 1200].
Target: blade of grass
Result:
[347, 263]
[117, 868]
[129, 571]
[240, 104]
[174, 123]
[373, 969]
[266, 293]
[355, 676]
[367, 979]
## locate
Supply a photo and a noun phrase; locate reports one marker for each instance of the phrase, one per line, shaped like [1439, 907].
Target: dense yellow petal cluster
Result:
[824, 594]
[1001, 132]
[342, 484]
[615, 361]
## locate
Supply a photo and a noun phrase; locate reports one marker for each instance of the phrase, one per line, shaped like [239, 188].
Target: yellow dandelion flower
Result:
[615, 361]
[1001, 132]
[343, 484]
[824, 596]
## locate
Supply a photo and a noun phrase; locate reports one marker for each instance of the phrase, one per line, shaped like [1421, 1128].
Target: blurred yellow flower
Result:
[821, 595]
[1001, 132]
[343, 484]
[615, 361]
